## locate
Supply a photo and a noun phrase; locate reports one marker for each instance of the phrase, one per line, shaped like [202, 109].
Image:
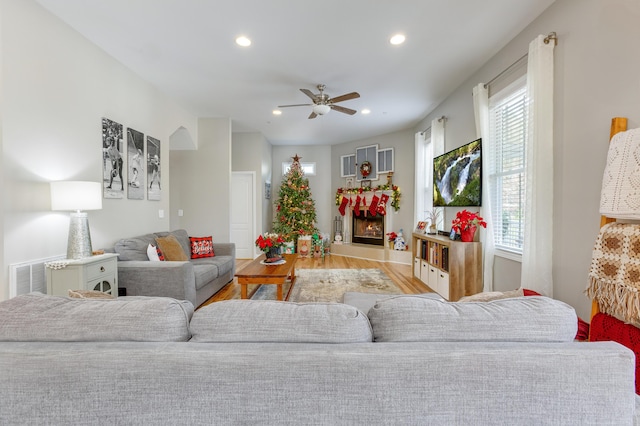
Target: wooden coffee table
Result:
[257, 273]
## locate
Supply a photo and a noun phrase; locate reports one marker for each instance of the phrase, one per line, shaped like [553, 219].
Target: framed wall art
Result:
[112, 160]
[135, 159]
[154, 189]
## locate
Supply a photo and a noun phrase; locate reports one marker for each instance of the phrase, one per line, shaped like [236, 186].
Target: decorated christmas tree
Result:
[296, 209]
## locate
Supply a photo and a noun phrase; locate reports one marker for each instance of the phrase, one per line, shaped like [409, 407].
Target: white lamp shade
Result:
[76, 195]
[321, 109]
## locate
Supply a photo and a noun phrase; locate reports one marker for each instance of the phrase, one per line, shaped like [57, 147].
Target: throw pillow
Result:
[89, 294]
[201, 247]
[171, 248]
[154, 253]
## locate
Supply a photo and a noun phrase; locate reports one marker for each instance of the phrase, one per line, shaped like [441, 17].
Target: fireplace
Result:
[368, 229]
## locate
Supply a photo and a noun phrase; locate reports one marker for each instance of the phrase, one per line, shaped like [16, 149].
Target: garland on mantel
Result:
[395, 195]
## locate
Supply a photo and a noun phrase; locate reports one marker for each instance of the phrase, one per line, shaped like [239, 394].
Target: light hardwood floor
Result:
[400, 274]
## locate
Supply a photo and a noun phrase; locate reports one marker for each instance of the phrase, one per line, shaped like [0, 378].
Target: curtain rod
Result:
[506, 70]
[551, 36]
[443, 118]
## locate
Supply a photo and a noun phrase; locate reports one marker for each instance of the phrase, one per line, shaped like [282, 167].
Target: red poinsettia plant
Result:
[269, 240]
[392, 236]
[466, 219]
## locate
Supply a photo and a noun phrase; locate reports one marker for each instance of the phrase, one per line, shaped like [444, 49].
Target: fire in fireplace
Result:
[368, 229]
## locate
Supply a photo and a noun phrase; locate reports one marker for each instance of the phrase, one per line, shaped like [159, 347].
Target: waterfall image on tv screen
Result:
[457, 176]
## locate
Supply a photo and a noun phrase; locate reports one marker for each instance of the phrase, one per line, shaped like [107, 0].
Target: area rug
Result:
[329, 285]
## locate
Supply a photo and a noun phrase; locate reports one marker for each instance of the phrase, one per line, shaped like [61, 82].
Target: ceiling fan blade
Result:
[293, 105]
[345, 97]
[309, 94]
[312, 115]
[343, 109]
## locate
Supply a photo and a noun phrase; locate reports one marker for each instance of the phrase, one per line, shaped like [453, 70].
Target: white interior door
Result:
[243, 216]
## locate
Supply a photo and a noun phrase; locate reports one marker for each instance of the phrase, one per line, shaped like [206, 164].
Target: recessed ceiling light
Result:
[277, 112]
[243, 41]
[365, 111]
[397, 39]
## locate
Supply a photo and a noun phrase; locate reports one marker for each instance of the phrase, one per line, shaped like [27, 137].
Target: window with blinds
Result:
[507, 135]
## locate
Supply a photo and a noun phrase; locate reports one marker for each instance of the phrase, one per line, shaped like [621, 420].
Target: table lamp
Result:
[75, 196]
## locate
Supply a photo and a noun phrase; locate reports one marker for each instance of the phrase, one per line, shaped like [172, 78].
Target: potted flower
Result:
[466, 223]
[270, 244]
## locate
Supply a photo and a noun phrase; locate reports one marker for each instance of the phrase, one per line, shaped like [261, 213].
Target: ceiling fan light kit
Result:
[321, 109]
[322, 103]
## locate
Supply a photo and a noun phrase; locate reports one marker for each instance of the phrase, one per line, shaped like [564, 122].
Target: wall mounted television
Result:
[457, 177]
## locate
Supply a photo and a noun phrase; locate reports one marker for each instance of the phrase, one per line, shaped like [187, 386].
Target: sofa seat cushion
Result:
[279, 322]
[224, 263]
[204, 273]
[39, 317]
[520, 319]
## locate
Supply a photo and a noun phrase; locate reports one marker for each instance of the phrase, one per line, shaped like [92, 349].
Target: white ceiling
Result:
[186, 48]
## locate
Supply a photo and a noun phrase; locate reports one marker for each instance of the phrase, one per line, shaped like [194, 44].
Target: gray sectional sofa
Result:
[195, 280]
[412, 361]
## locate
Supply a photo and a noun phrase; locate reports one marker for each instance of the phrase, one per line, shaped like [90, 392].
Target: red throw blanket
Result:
[604, 327]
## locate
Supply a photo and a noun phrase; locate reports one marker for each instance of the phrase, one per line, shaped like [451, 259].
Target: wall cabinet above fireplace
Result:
[452, 269]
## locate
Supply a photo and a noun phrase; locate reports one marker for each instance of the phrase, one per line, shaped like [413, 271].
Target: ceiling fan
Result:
[322, 103]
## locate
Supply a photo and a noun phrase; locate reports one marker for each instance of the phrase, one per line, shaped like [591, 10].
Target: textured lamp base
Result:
[79, 242]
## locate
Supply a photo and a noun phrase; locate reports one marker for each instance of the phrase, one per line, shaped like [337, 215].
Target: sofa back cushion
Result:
[521, 319]
[280, 322]
[182, 236]
[134, 248]
[38, 317]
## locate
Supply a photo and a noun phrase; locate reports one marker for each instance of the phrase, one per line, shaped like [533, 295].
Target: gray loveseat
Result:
[411, 361]
[195, 280]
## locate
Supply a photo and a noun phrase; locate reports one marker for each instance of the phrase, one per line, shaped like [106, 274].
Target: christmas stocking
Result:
[364, 205]
[343, 205]
[382, 209]
[356, 207]
[374, 205]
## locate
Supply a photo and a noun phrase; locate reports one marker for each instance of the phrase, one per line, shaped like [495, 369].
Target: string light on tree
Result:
[296, 209]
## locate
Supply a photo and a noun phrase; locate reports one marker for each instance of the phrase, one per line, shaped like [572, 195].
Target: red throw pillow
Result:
[160, 255]
[201, 247]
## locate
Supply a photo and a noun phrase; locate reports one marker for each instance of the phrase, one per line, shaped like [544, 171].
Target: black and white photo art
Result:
[154, 190]
[135, 160]
[112, 161]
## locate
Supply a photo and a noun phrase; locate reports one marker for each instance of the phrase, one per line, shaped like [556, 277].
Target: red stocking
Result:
[343, 205]
[382, 209]
[356, 207]
[364, 206]
[374, 205]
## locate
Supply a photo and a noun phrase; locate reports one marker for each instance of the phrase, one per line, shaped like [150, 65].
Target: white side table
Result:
[92, 273]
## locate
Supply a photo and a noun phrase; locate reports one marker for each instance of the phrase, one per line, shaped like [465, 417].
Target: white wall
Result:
[252, 152]
[320, 184]
[201, 182]
[403, 143]
[56, 87]
[596, 78]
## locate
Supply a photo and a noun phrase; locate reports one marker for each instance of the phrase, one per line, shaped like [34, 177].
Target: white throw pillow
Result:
[152, 253]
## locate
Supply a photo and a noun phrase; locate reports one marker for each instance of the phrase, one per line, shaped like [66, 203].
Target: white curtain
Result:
[422, 184]
[481, 110]
[538, 227]
[437, 143]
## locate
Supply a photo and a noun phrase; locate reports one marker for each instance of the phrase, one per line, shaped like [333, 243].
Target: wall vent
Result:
[29, 276]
